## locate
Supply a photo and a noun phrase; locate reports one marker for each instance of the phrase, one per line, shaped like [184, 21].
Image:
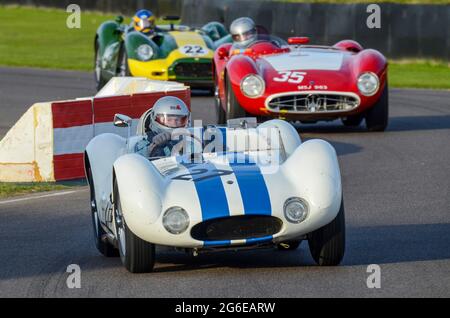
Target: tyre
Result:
[352, 121]
[289, 245]
[137, 255]
[220, 112]
[122, 63]
[377, 116]
[103, 246]
[327, 244]
[99, 81]
[233, 109]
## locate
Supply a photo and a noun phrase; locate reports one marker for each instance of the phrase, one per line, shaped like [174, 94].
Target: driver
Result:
[243, 32]
[167, 114]
[144, 21]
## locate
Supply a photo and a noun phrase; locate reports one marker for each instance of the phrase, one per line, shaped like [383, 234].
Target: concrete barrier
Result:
[47, 143]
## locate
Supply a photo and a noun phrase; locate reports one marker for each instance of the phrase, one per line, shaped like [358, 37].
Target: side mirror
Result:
[119, 19]
[297, 40]
[222, 53]
[122, 120]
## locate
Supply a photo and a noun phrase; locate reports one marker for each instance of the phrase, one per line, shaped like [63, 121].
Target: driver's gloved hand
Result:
[158, 140]
[162, 138]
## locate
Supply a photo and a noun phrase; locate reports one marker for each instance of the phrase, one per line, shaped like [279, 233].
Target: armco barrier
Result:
[48, 141]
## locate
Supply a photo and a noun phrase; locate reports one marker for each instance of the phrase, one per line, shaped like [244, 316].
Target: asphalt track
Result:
[397, 196]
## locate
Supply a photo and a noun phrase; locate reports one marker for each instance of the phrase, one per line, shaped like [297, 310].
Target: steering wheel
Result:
[177, 148]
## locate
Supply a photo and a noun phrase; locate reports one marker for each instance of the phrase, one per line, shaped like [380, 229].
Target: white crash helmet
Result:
[243, 31]
[168, 113]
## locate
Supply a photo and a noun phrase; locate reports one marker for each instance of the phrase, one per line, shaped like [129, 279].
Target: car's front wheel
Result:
[103, 246]
[327, 244]
[233, 108]
[377, 116]
[99, 81]
[137, 255]
[122, 64]
[220, 112]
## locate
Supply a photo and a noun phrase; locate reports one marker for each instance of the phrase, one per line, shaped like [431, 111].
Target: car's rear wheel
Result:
[377, 116]
[233, 108]
[137, 255]
[289, 245]
[352, 121]
[103, 246]
[99, 81]
[327, 244]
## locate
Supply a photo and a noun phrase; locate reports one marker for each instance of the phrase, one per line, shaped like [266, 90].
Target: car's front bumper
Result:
[351, 104]
[157, 234]
[196, 72]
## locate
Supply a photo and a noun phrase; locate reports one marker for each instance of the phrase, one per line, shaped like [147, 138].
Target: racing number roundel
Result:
[193, 50]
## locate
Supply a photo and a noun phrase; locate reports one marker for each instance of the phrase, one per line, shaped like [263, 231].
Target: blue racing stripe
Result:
[216, 243]
[210, 191]
[252, 185]
[256, 240]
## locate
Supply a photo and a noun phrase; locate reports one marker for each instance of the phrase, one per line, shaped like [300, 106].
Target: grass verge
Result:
[8, 189]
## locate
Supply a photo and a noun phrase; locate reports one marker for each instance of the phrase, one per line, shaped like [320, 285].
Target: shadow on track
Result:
[396, 124]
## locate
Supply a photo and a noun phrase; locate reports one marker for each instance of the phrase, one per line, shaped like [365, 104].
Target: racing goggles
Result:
[145, 24]
[172, 121]
[244, 36]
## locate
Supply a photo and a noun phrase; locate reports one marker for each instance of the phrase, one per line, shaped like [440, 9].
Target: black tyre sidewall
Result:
[139, 256]
[233, 109]
[377, 117]
[327, 244]
[99, 82]
[220, 112]
[103, 247]
[123, 58]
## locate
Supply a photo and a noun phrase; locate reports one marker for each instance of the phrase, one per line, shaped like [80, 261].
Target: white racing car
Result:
[236, 187]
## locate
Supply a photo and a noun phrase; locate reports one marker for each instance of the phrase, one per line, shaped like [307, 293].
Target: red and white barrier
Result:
[48, 141]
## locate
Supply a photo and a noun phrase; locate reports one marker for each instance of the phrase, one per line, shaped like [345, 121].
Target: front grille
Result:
[312, 102]
[195, 70]
[236, 228]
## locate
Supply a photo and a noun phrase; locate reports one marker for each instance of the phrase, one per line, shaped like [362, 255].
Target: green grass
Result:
[8, 189]
[39, 38]
[419, 74]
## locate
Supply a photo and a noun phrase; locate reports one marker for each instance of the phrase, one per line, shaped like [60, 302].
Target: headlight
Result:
[144, 52]
[176, 220]
[252, 86]
[295, 210]
[368, 84]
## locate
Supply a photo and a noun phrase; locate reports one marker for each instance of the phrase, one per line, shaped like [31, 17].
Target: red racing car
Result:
[296, 81]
